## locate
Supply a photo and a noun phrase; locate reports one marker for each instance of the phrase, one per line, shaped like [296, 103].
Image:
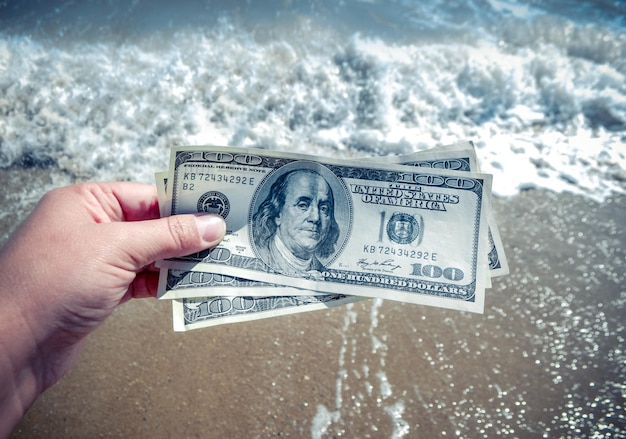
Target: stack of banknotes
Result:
[307, 233]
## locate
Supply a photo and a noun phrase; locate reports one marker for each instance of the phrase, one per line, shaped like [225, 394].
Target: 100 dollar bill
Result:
[177, 285]
[413, 235]
[192, 310]
[202, 312]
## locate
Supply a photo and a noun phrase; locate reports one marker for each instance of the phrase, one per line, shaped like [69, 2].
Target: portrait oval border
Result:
[343, 202]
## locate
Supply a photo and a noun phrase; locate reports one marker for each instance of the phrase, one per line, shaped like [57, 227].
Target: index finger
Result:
[134, 201]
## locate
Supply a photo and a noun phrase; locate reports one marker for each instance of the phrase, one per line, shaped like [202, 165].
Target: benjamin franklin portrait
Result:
[295, 226]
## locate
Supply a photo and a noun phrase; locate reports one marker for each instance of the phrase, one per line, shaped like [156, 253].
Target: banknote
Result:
[202, 312]
[194, 311]
[417, 235]
[179, 284]
[459, 156]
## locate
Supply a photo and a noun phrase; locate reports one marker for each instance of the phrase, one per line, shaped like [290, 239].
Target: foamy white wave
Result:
[543, 98]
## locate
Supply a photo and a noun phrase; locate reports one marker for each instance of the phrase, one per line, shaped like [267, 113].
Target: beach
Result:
[101, 91]
[545, 359]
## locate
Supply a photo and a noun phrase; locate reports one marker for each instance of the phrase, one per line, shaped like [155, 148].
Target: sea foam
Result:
[543, 97]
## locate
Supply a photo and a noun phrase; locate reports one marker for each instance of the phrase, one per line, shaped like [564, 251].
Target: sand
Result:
[546, 357]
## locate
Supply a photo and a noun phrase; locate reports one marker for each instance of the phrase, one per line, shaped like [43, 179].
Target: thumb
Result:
[172, 236]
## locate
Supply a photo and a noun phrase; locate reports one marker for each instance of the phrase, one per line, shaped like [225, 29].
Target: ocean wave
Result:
[542, 96]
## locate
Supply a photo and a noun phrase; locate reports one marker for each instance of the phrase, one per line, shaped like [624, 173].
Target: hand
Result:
[84, 250]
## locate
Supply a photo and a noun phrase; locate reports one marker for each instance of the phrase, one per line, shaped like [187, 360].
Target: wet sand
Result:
[546, 359]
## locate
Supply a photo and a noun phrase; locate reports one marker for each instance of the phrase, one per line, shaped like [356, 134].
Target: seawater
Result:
[102, 90]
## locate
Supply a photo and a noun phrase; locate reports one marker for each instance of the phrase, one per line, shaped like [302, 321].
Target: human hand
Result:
[82, 251]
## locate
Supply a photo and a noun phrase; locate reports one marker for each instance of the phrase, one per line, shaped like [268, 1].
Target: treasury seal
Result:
[214, 202]
[403, 228]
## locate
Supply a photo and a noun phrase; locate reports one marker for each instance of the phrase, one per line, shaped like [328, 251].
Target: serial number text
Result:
[218, 178]
[404, 252]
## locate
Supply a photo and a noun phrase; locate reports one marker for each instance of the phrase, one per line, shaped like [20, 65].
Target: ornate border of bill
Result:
[308, 233]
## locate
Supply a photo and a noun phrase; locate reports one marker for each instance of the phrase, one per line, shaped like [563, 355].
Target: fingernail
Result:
[211, 227]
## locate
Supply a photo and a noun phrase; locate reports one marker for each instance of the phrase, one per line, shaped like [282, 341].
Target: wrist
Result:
[21, 377]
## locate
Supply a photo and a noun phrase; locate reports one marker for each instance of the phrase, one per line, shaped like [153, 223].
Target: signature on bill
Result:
[387, 266]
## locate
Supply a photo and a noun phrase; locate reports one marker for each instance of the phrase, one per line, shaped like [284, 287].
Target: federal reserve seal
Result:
[403, 228]
[214, 202]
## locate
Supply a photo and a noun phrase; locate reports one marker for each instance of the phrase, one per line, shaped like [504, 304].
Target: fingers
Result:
[104, 202]
[122, 225]
[145, 285]
[178, 235]
[133, 201]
